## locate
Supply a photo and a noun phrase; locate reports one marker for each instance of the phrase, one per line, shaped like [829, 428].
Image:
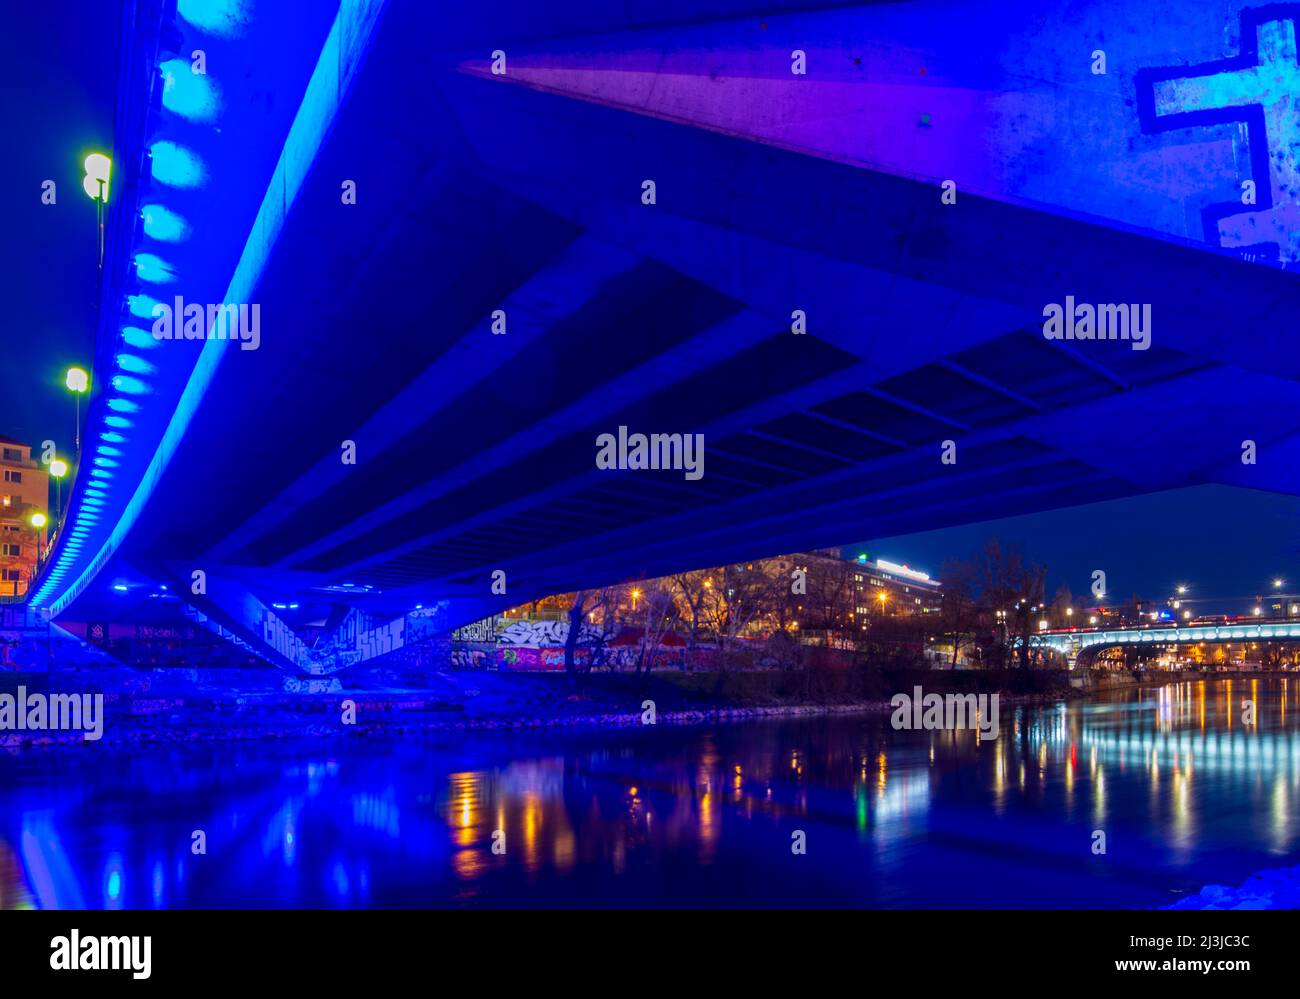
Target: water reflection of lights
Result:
[1283, 824]
[340, 880]
[1184, 825]
[1099, 795]
[463, 815]
[315, 772]
[905, 796]
[378, 812]
[1192, 782]
[708, 825]
[466, 804]
[156, 885]
[113, 881]
[1165, 707]
[999, 778]
[565, 849]
[1236, 753]
[278, 834]
[532, 828]
[49, 871]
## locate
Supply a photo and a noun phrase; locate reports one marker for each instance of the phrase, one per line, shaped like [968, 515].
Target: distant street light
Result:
[1277, 583]
[38, 520]
[1182, 590]
[78, 382]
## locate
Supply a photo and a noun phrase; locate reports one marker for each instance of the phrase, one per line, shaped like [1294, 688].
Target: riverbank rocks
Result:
[1277, 888]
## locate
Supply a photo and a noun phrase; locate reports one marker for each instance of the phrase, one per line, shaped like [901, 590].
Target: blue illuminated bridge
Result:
[1080, 645]
[478, 236]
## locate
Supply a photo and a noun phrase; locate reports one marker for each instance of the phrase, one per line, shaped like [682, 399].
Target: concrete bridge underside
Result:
[462, 285]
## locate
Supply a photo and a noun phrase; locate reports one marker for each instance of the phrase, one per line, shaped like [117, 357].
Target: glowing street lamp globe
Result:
[39, 520]
[58, 468]
[95, 184]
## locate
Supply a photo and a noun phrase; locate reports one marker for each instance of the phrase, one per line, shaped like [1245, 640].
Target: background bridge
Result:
[1073, 642]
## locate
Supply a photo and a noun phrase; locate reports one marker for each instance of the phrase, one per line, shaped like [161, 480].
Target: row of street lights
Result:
[98, 168]
[78, 383]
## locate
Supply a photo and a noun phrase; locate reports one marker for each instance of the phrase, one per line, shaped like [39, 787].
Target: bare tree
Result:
[829, 603]
[659, 614]
[1015, 589]
[736, 595]
[587, 604]
[959, 614]
[692, 596]
[782, 610]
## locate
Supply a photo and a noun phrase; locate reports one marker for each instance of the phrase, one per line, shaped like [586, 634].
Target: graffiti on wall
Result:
[540, 646]
[477, 631]
[1255, 91]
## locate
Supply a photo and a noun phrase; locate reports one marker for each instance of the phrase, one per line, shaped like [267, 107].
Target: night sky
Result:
[1226, 544]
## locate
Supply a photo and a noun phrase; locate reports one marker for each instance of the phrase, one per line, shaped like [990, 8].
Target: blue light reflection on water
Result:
[1186, 793]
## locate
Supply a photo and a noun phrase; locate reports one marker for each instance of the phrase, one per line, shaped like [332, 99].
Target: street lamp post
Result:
[78, 382]
[58, 469]
[95, 184]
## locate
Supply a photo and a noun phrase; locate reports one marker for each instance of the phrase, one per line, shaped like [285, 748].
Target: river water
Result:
[1185, 792]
